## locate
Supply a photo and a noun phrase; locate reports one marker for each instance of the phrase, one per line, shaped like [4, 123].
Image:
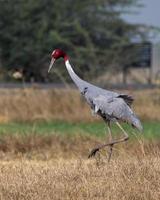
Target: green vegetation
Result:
[93, 32]
[151, 129]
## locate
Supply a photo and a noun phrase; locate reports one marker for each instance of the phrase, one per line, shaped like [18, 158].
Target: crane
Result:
[112, 107]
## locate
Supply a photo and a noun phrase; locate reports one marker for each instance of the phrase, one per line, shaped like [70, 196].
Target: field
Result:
[36, 104]
[46, 136]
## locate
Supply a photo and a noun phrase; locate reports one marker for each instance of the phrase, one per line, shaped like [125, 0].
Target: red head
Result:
[56, 54]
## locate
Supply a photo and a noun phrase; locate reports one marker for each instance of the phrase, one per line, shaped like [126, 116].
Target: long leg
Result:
[110, 139]
[125, 138]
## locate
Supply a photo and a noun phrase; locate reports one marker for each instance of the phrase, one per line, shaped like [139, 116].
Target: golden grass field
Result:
[80, 179]
[36, 167]
[66, 104]
[57, 168]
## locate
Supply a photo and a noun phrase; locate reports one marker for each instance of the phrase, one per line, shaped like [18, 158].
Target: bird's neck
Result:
[76, 79]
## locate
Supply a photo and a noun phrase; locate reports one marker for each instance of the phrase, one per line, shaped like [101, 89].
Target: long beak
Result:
[51, 65]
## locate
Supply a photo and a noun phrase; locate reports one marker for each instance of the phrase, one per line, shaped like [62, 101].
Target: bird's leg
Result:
[125, 138]
[110, 139]
[94, 151]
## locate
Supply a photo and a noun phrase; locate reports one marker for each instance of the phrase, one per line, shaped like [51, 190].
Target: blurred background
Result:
[109, 42]
[112, 43]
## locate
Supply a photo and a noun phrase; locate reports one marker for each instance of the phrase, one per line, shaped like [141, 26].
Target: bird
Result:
[111, 106]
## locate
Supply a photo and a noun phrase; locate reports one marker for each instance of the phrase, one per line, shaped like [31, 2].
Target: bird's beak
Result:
[51, 65]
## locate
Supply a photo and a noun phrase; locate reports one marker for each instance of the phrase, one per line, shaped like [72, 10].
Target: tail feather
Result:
[128, 99]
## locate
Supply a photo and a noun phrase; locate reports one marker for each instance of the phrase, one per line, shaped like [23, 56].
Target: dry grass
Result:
[48, 147]
[54, 167]
[37, 104]
[80, 179]
[147, 104]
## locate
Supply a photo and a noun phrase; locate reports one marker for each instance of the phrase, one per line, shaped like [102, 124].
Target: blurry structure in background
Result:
[148, 58]
[155, 73]
[140, 66]
[140, 58]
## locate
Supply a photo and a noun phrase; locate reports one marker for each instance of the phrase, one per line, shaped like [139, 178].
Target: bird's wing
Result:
[99, 98]
[93, 91]
[101, 103]
[114, 107]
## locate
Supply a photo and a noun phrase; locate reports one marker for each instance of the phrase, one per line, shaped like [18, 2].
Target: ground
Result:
[78, 178]
[45, 139]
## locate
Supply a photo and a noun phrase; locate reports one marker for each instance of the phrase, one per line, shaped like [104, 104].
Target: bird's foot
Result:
[93, 152]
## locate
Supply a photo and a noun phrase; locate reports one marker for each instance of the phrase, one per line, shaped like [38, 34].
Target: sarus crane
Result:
[111, 106]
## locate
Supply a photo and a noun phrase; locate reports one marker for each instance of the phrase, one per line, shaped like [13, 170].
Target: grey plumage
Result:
[111, 106]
